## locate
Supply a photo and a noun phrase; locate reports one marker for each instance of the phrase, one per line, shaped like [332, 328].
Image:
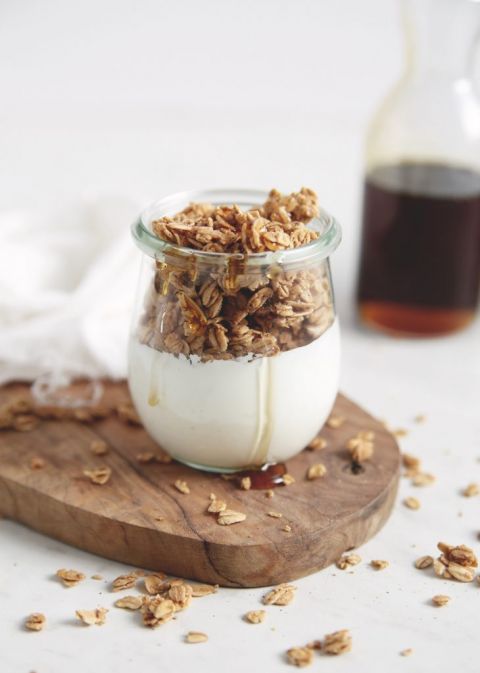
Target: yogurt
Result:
[227, 415]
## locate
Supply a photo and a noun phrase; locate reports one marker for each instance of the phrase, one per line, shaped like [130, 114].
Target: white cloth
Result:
[67, 283]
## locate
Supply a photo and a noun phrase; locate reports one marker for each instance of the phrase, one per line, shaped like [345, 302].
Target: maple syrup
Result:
[420, 260]
[267, 476]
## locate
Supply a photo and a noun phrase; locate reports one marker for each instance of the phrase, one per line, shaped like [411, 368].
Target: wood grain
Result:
[119, 520]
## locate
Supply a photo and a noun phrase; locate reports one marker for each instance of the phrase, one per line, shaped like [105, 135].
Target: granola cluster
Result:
[226, 311]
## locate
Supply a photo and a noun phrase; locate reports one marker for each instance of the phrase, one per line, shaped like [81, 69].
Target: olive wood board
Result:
[141, 519]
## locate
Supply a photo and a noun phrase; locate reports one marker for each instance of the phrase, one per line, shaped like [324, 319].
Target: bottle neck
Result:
[441, 37]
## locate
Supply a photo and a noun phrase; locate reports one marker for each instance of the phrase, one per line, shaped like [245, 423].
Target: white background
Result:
[144, 98]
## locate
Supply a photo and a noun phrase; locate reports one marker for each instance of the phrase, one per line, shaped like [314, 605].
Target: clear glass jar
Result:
[420, 260]
[234, 360]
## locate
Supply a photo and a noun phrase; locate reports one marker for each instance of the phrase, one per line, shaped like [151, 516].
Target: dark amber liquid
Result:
[420, 260]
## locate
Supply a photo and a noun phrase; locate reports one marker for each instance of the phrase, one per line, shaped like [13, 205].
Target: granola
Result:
[316, 471]
[225, 312]
[35, 622]
[348, 560]
[196, 637]
[98, 475]
[255, 616]
[157, 610]
[123, 582]
[378, 564]
[91, 617]
[70, 578]
[338, 642]
[300, 656]
[281, 595]
[440, 600]
[457, 563]
[129, 602]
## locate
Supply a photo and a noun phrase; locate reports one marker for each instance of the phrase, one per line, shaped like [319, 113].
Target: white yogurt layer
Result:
[230, 414]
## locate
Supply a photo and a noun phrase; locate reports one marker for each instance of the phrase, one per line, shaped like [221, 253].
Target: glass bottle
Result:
[420, 257]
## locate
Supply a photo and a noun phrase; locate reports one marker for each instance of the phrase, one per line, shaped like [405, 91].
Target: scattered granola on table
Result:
[129, 602]
[98, 475]
[196, 637]
[316, 471]
[92, 617]
[300, 656]
[70, 578]
[378, 564]
[440, 600]
[457, 563]
[182, 486]
[411, 503]
[348, 560]
[338, 642]
[35, 622]
[281, 595]
[123, 582]
[255, 616]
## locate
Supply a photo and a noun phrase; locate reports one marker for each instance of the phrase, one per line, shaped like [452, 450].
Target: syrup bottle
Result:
[420, 258]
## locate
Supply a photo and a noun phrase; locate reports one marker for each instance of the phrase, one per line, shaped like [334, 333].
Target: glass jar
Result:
[420, 259]
[234, 359]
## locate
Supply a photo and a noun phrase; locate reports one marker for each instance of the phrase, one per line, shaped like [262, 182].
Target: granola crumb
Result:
[424, 562]
[407, 652]
[245, 483]
[317, 444]
[287, 528]
[98, 475]
[156, 610]
[96, 577]
[199, 590]
[126, 413]
[70, 578]
[283, 594]
[440, 600]
[471, 490]
[91, 617]
[316, 471]
[411, 462]
[335, 422]
[196, 637]
[269, 493]
[400, 432]
[287, 479]
[155, 583]
[129, 602]
[99, 447]
[37, 463]
[275, 515]
[378, 564]
[216, 506]
[338, 642]
[455, 562]
[300, 656]
[420, 418]
[145, 457]
[361, 446]
[182, 486]
[411, 503]
[123, 582]
[35, 622]
[348, 560]
[255, 616]
[423, 479]
[227, 517]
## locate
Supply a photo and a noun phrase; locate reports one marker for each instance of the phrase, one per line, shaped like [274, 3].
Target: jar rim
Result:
[319, 249]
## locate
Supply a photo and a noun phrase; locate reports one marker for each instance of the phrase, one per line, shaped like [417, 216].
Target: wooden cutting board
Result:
[139, 518]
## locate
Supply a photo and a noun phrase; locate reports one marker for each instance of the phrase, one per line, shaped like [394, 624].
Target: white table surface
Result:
[141, 99]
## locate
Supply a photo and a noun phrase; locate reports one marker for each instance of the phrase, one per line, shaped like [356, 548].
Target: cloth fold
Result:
[67, 284]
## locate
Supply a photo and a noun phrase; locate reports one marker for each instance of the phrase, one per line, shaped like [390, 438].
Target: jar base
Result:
[414, 321]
